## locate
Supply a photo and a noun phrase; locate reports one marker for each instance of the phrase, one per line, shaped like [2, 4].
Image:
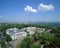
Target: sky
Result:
[29, 11]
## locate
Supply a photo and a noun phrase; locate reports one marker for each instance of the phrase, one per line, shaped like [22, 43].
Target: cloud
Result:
[43, 7]
[30, 9]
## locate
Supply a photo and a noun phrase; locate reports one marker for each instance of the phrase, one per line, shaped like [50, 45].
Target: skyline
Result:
[29, 11]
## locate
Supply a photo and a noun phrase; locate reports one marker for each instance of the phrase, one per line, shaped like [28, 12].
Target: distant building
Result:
[41, 29]
[15, 33]
[30, 30]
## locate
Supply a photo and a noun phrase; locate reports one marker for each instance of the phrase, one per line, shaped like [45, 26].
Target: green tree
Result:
[26, 43]
[8, 38]
[3, 45]
[35, 46]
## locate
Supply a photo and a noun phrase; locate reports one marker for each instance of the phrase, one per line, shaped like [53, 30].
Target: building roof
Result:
[12, 31]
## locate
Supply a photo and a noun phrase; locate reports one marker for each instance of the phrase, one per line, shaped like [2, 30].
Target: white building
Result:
[31, 28]
[15, 33]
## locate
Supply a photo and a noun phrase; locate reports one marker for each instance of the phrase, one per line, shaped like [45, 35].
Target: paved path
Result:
[15, 42]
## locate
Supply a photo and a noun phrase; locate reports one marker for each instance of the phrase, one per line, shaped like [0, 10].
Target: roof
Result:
[12, 31]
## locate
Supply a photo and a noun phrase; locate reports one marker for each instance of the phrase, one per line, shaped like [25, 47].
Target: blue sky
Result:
[29, 11]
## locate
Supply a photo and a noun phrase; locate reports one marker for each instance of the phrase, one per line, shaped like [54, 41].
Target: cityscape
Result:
[29, 24]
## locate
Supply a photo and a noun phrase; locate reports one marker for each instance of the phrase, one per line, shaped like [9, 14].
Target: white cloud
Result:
[30, 9]
[43, 7]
